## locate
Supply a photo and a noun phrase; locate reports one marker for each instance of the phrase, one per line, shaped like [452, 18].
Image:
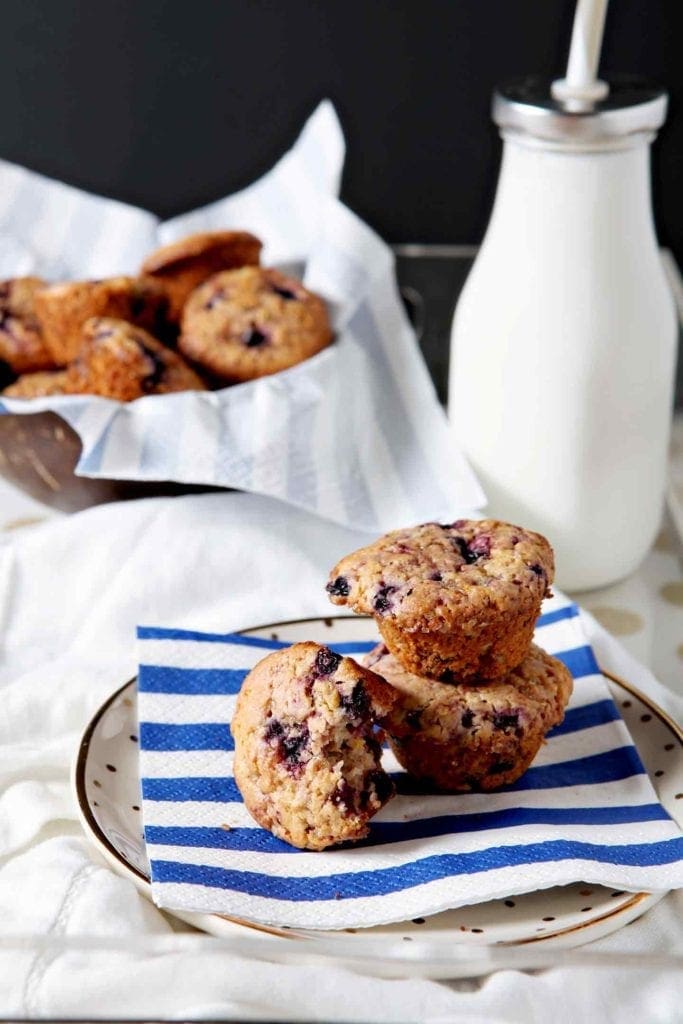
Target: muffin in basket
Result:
[249, 323]
[119, 360]
[62, 309]
[21, 341]
[181, 266]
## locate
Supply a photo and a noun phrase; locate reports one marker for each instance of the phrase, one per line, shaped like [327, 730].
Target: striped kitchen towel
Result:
[355, 434]
[585, 811]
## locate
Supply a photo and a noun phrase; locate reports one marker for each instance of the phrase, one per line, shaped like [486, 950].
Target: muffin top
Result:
[224, 248]
[424, 575]
[120, 360]
[249, 323]
[182, 266]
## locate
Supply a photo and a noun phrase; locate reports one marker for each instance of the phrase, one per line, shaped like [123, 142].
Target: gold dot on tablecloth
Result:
[672, 592]
[664, 542]
[617, 621]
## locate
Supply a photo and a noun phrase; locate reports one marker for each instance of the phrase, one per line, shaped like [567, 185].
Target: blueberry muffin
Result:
[452, 602]
[473, 736]
[21, 342]
[40, 385]
[307, 761]
[181, 266]
[248, 323]
[63, 308]
[119, 360]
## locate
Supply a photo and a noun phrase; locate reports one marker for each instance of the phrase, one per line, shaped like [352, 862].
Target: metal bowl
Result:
[39, 453]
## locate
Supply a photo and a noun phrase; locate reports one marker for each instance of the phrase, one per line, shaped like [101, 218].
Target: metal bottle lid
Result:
[632, 107]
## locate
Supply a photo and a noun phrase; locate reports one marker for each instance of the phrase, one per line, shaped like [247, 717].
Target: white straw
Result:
[581, 83]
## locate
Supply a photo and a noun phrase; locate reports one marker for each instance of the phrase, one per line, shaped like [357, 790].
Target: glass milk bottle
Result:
[564, 338]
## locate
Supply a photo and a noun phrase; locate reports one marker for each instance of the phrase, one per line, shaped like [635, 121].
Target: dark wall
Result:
[171, 103]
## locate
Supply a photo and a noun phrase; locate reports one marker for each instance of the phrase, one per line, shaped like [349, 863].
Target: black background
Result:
[172, 103]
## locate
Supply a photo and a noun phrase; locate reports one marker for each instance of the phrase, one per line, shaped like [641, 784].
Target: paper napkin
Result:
[355, 434]
[585, 810]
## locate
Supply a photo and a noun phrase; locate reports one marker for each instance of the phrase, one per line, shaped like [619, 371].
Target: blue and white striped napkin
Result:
[585, 811]
[355, 434]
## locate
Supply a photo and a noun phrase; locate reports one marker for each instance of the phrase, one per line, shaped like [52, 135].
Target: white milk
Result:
[563, 352]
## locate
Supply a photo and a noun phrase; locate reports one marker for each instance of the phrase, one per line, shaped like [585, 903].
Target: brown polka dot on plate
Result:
[548, 919]
[584, 910]
[509, 903]
[97, 784]
[659, 773]
[646, 718]
[418, 920]
[669, 746]
[479, 931]
[111, 768]
[626, 703]
[133, 739]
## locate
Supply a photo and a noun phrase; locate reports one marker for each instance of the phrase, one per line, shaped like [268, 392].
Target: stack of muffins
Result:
[456, 606]
[202, 313]
[459, 689]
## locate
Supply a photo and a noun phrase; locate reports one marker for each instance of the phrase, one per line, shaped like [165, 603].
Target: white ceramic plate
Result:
[107, 785]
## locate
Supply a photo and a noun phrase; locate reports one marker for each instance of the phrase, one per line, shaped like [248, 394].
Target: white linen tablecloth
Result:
[71, 593]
